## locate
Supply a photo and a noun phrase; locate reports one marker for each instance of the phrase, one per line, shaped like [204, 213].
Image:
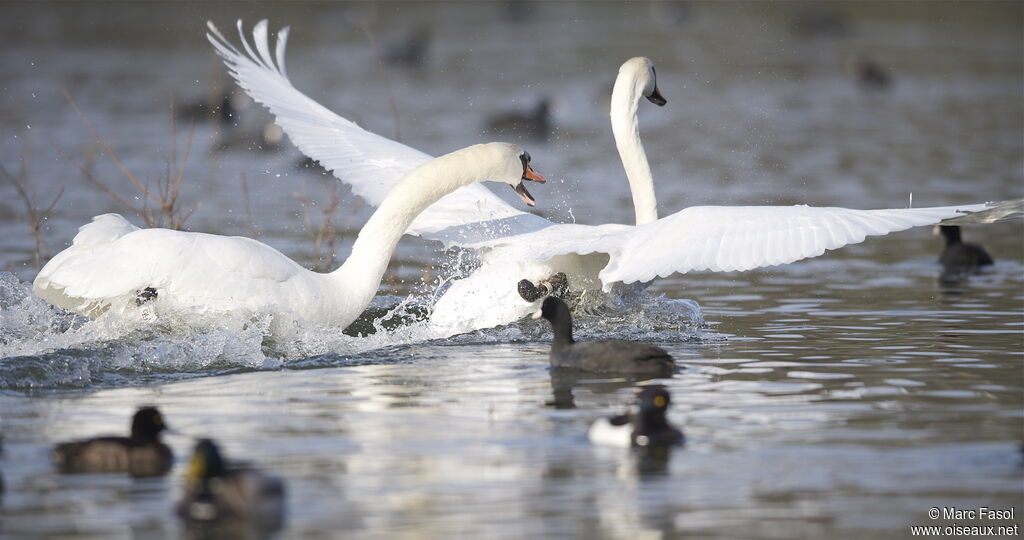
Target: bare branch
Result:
[17, 182]
[179, 178]
[248, 207]
[110, 151]
[159, 204]
[87, 173]
[387, 78]
[35, 217]
[60, 192]
[325, 234]
[182, 221]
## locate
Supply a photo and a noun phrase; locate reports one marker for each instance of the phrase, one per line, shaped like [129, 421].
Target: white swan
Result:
[114, 265]
[514, 245]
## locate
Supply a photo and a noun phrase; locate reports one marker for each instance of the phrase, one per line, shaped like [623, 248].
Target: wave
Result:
[44, 347]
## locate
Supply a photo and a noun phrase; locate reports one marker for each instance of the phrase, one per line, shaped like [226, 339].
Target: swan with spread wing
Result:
[514, 245]
[113, 265]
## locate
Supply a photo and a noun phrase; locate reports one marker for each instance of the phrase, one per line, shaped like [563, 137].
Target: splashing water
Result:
[42, 346]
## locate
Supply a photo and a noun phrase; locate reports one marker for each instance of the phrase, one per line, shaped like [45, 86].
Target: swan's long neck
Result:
[362, 272]
[357, 280]
[360, 275]
[625, 97]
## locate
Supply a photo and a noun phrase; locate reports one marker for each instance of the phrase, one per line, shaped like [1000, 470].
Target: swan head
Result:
[509, 164]
[640, 70]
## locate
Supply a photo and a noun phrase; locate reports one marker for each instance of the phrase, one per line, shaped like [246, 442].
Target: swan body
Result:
[111, 261]
[514, 245]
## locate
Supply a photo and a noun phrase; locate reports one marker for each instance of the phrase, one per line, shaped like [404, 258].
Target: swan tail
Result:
[103, 229]
[55, 283]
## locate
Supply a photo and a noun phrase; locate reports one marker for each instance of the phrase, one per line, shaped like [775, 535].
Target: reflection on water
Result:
[821, 415]
[838, 397]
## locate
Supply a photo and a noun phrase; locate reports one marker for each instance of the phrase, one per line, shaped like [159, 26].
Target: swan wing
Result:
[737, 238]
[1009, 210]
[110, 259]
[720, 238]
[369, 163]
[70, 270]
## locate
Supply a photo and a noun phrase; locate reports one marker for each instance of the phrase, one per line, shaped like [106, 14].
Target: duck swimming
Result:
[960, 255]
[214, 491]
[648, 426]
[605, 356]
[140, 454]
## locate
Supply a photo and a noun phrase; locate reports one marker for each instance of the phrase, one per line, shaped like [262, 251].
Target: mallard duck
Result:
[140, 454]
[605, 356]
[214, 491]
[647, 427]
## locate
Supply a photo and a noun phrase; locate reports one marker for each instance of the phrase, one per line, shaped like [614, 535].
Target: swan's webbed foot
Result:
[559, 284]
[145, 295]
[555, 285]
[530, 292]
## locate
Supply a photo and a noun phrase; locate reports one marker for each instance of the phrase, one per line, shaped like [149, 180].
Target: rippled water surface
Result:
[842, 396]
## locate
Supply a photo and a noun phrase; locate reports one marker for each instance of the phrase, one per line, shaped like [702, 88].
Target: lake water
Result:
[842, 396]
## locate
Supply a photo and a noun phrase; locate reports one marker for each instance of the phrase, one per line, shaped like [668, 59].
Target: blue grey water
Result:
[842, 396]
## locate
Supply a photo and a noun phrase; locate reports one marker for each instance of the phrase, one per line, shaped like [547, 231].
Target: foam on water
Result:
[44, 347]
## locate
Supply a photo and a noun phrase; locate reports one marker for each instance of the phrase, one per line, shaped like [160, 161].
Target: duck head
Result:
[653, 403]
[206, 462]
[147, 424]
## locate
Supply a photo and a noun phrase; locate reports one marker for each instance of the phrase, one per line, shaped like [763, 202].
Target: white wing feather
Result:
[368, 162]
[698, 238]
[720, 238]
[95, 269]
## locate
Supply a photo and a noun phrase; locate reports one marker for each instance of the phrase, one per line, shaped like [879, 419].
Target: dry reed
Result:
[166, 211]
[35, 215]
